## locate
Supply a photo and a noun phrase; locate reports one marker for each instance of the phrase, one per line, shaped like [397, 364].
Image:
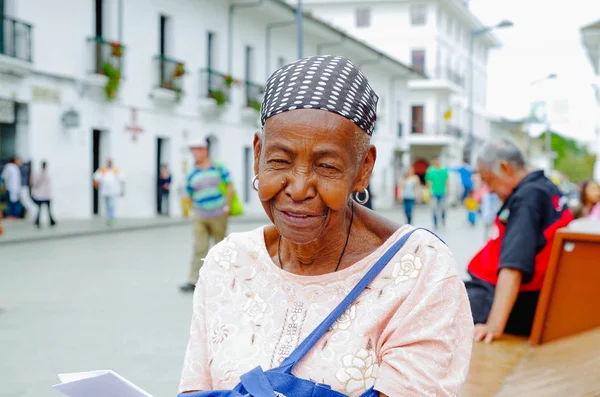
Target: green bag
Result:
[236, 208]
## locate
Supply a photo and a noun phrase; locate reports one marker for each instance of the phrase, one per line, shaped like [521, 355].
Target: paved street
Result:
[110, 301]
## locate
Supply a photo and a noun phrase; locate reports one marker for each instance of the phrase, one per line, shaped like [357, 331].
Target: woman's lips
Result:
[299, 218]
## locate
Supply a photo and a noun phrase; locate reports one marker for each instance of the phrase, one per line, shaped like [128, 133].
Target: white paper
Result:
[105, 383]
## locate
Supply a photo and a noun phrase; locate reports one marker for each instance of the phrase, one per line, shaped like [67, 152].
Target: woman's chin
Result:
[304, 232]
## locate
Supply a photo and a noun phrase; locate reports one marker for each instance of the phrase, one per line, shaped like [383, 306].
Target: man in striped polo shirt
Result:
[210, 206]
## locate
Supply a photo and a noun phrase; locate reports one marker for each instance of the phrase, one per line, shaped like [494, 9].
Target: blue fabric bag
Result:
[279, 381]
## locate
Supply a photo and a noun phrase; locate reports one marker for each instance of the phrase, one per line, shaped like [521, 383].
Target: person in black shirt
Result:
[508, 273]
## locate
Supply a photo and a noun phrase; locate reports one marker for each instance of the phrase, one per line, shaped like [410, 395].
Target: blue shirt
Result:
[466, 175]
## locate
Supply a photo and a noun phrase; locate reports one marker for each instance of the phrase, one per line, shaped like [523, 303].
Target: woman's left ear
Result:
[366, 169]
[257, 144]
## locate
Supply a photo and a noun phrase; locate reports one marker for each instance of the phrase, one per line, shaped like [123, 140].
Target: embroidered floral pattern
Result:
[226, 255]
[345, 320]
[219, 334]
[408, 267]
[359, 371]
[290, 335]
[248, 313]
[254, 308]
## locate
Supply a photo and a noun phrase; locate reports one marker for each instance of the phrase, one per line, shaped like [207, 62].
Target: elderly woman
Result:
[261, 293]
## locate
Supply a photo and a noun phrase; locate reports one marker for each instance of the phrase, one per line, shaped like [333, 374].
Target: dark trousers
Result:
[163, 205]
[40, 204]
[409, 205]
[466, 191]
[439, 210]
[12, 208]
[481, 297]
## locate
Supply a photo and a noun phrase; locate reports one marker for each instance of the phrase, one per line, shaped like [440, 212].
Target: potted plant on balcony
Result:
[114, 80]
[116, 49]
[229, 81]
[219, 96]
[254, 104]
[179, 70]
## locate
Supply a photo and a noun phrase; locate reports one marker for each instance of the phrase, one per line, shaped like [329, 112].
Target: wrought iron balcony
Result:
[254, 95]
[105, 56]
[15, 39]
[217, 86]
[169, 73]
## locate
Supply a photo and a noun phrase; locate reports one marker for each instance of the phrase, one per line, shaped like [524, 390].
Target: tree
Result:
[572, 159]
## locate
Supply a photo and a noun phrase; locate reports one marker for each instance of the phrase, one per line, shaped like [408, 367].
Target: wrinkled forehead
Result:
[304, 128]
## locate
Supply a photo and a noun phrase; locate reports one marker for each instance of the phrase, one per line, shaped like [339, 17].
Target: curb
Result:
[116, 229]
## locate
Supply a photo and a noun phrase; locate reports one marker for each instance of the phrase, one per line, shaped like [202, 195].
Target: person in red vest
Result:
[508, 273]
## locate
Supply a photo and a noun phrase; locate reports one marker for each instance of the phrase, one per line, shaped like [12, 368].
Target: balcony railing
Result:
[429, 129]
[169, 73]
[106, 56]
[15, 39]
[254, 95]
[216, 85]
[446, 74]
[455, 131]
[455, 77]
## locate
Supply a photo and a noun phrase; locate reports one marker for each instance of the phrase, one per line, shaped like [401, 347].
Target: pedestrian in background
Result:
[110, 184]
[210, 207]
[41, 193]
[508, 273]
[164, 189]
[11, 174]
[437, 180]
[466, 178]
[589, 197]
[407, 192]
[472, 206]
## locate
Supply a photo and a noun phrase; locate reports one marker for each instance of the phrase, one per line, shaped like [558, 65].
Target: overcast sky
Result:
[546, 39]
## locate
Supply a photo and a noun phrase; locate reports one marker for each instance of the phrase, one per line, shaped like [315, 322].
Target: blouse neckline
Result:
[333, 276]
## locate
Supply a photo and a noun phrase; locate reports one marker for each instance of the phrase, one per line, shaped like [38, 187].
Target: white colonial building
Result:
[82, 81]
[434, 37]
[591, 42]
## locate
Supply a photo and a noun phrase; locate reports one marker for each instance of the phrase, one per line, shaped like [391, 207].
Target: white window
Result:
[363, 17]
[418, 14]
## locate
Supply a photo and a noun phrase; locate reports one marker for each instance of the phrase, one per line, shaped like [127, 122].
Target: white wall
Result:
[62, 62]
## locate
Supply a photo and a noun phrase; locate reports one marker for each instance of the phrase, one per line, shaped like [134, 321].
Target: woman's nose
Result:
[300, 186]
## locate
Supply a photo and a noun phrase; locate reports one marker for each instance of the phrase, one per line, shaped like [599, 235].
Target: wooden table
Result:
[510, 367]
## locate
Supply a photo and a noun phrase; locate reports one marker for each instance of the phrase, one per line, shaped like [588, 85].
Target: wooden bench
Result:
[570, 298]
[562, 355]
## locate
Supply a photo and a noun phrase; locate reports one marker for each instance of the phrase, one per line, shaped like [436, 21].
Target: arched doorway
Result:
[420, 166]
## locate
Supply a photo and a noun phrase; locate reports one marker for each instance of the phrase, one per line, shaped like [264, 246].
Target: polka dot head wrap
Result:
[330, 83]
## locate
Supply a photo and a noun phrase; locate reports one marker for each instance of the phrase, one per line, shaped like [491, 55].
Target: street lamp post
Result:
[300, 23]
[478, 32]
[547, 136]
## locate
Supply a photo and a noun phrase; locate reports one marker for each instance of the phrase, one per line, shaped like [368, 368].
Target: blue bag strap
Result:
[256, 383]
[318, 332]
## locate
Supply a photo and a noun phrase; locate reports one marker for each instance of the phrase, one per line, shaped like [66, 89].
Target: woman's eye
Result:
[278, 161]
[327, 166]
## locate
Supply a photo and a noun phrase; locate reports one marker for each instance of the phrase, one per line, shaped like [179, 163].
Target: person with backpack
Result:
[210, 206]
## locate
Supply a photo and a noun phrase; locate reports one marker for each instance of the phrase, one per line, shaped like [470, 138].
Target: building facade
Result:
[591, 42]
[135, 81]
[435, 37]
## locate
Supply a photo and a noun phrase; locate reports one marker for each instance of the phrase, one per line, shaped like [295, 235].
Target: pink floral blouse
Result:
[409, 334]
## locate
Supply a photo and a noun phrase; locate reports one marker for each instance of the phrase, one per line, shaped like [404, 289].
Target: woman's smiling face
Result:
[308, 163]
